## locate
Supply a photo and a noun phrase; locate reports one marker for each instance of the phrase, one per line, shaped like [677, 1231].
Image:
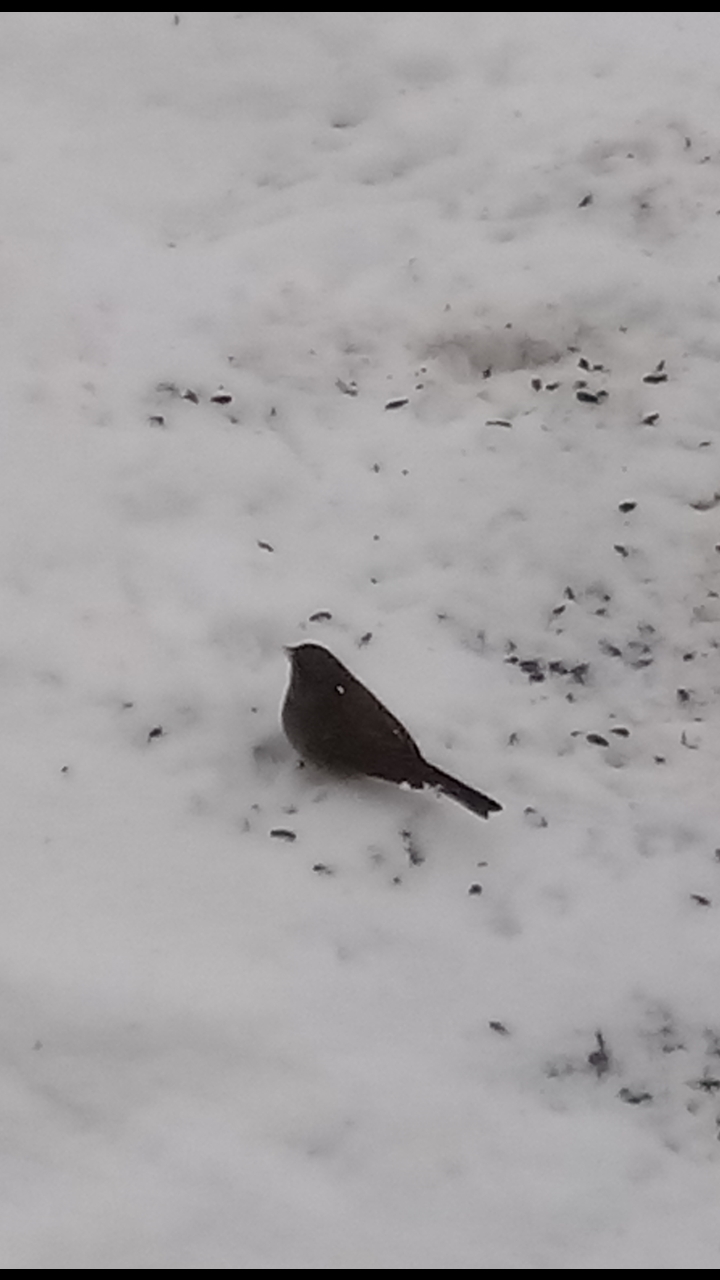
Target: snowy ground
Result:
[250, 1017]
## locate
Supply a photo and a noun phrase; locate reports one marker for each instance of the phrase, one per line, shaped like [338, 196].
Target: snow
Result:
[229, 242]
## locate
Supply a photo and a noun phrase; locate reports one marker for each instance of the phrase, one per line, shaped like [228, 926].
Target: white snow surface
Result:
[253, 1017]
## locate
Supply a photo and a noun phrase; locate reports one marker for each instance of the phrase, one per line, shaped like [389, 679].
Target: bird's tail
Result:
[460, 791]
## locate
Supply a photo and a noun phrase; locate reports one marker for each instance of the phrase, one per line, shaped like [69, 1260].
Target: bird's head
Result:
[313, 662]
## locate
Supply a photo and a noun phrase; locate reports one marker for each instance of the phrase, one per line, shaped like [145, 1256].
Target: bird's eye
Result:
[339, 688]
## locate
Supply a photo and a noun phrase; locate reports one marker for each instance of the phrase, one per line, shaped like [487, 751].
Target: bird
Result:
[338, 725]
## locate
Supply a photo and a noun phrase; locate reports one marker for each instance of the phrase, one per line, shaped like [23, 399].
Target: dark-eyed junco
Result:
[334, 722]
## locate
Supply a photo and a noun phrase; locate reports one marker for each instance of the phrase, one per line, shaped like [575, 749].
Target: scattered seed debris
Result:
[282, 833]
[634, 1096]
[265, 546]
[586, 200]
[701, 900]
[534, 818]
[415, 855]
[610, 649]
[580, 672]
[321, 868]
[708, 1084]
[706, 504]
[397, 404]
[533, 670]
[597, 739]
[157, 732]
[475, 889]
[627, 506]
[499, 1027]
[591, 397]
[650, 419]
[599, 1059]
[322, 615]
